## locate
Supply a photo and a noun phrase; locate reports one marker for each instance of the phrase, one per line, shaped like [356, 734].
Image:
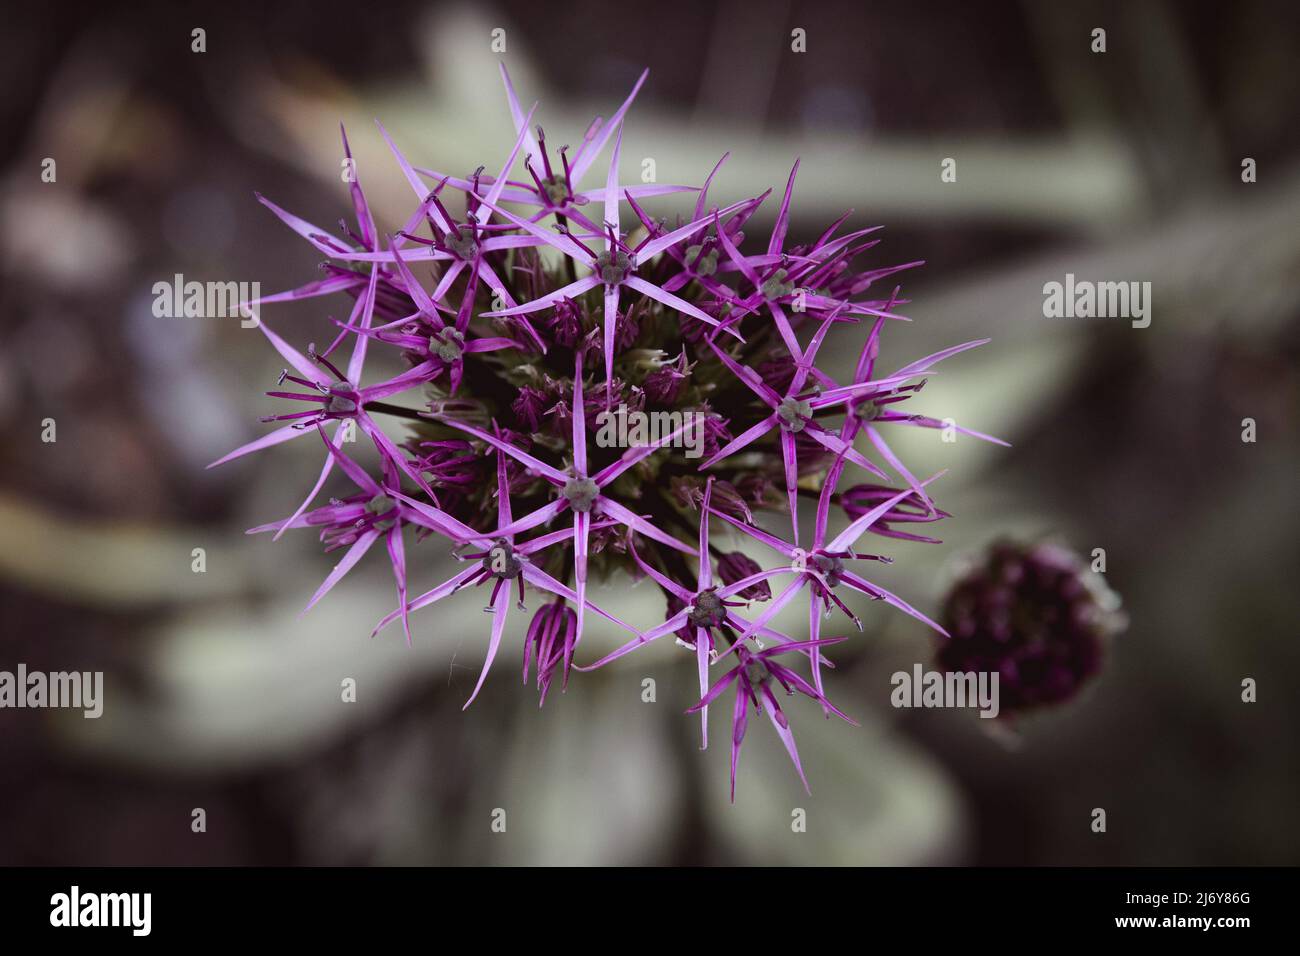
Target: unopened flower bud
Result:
[551, 629]
[860, 499]
[736, 566]
[1035, 615]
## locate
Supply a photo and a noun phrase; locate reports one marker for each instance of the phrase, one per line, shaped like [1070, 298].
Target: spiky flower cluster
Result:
[524, 310]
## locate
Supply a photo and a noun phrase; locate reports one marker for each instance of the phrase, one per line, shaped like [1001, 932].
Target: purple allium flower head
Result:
[526, 305]
[1037, 616]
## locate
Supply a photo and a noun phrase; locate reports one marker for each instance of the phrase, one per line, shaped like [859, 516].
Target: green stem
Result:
[572, 273]
[396, 410]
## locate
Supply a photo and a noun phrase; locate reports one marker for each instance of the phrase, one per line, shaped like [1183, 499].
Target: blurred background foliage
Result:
[1120, 166]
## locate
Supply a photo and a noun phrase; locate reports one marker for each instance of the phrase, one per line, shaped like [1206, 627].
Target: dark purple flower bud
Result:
[553, 627]
[594, 403]
[715, 430]
[860, 499]
[559, 420]
[612, 539]
[736, 566]
[446, 463]
[566, 323]
[633, 397]
[1035, 615]
[530, 406]
[517, 327]
[729, 501]
[687, 491]
[698, 331]
[778, 372]
[755, 490]
[627, 328]
[664, 385]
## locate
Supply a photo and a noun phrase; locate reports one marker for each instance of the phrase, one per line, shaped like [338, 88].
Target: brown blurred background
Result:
[1122, 165]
